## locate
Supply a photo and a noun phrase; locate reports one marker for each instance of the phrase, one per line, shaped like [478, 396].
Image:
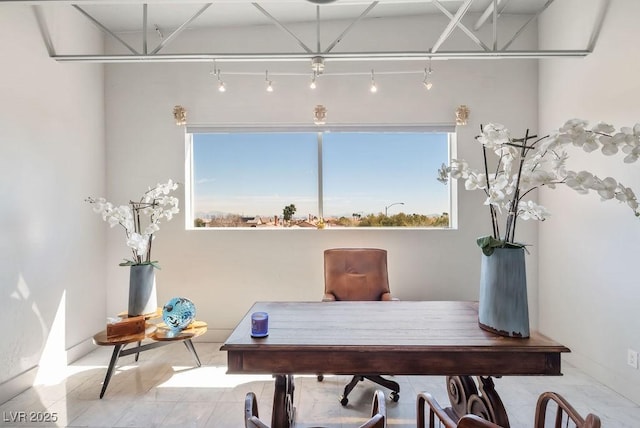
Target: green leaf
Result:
[489, 243]
[128, 262]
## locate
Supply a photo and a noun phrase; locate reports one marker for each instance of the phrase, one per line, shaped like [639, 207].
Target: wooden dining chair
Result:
[358, 274]
[378, 417]
[565, 416]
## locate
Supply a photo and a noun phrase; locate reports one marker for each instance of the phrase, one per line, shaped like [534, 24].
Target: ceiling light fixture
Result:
[312, 85]
[373, 88]
[269, 82]
[427, 77]
[221, 86]
[317, 65]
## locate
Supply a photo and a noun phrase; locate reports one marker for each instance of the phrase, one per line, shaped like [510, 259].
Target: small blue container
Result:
[259, 324]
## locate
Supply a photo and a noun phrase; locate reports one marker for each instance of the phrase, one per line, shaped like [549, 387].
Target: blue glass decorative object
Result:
[178, 313]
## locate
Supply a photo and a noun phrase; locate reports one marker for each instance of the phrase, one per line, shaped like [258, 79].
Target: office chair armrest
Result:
[328, 297]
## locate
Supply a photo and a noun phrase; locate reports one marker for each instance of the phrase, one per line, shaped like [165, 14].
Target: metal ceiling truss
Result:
[309, 54]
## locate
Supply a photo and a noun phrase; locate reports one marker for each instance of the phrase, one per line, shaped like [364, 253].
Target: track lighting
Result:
[312, 85]
[221, 85]
[373, 88]
[427, 77]
[269, 82]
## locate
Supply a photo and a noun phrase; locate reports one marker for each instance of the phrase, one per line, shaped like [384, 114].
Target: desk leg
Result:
[486, 403]
[189, 344]
[114, 359]
[282, 414]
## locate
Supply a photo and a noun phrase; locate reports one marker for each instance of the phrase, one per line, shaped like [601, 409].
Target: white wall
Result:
[52, 251]
[589, 293]
[225, 271]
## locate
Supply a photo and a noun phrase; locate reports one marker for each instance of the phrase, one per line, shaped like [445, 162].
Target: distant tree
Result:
[288, 212]
[198, 222]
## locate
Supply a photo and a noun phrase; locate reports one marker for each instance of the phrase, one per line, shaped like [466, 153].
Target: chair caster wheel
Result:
[344, 401]
[320, 378]
[394, 397]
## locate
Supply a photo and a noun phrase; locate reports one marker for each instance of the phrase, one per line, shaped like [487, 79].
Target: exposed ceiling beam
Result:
[104, 29]
[486, 14]
[398, 54]
[468, 32]
[180, 29]
[452, 24]
[341, 36]
[526, 24]
[343, 56]
[282, 26]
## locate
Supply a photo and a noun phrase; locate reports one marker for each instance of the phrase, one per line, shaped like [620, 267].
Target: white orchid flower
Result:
[625, 194]
[529, 210]
[543, 161]
[606, 188]
[140, 219]
[475, 181]
[459, 169]
[138, 243]
[581, 182]
[494, 135]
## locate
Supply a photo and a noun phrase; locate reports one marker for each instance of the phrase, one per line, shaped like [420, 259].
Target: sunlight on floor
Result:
[206, 376]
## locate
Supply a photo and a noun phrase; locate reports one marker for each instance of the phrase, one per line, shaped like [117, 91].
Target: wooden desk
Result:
[159, 334]
[394, 338]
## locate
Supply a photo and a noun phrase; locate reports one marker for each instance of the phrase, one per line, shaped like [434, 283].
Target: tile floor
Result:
[163, 389]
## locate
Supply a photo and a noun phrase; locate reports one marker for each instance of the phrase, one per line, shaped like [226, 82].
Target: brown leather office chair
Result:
[358, 274]
[565, 414]
[378, 412]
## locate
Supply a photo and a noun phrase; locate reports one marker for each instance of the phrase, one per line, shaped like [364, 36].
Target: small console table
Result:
[158, 334]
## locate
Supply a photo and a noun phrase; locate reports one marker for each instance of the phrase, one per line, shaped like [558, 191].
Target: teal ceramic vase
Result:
[503, 306]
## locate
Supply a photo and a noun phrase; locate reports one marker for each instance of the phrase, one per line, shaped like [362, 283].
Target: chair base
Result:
[387, 383]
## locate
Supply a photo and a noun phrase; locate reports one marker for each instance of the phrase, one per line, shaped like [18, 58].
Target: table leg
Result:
[114, 358]
[282, 414]
[482, 400]
[138, 353]
[189, 344]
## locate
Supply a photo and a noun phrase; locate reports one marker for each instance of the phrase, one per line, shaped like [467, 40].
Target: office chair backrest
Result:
[356, 274]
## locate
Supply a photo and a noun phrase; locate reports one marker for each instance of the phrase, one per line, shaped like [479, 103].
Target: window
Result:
[268, 178]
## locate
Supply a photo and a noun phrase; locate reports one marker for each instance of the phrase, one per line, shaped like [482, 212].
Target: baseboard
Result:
[25, 380]
[17, 384]
[80, 350]
[623, 384]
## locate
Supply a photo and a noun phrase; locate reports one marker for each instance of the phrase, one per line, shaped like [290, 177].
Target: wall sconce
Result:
[180, 115]
[462, 114]
[320, 115]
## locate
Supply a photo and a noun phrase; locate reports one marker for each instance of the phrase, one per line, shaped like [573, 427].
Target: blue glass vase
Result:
[178, 313]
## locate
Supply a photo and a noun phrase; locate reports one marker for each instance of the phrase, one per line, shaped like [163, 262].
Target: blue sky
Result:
[259, 174]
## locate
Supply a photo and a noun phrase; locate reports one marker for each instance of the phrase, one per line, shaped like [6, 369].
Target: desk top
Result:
[398, 337]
